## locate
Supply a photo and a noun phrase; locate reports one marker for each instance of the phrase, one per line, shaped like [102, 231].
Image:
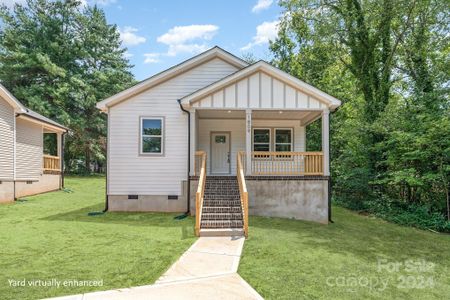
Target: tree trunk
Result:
[87, 158]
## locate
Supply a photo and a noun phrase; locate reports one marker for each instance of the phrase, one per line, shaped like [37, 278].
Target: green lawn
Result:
[50, 236]
[287, 259]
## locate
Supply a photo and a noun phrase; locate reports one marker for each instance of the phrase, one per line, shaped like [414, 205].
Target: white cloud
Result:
[188, 39]
[151, 58]
[186, 48]
[262, 5]
[129, 37]
[182, 34]
[264, 32]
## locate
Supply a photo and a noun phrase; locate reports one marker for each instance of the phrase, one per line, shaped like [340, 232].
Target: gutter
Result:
[189, 158]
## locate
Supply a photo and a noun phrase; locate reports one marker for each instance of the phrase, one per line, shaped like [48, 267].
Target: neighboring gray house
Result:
[24, 168]
[235, 131]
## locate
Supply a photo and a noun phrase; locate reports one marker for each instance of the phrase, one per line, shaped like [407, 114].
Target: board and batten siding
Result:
[131, 173]
[259, 90]
[236, 127]
[29, 150]
[6, 140]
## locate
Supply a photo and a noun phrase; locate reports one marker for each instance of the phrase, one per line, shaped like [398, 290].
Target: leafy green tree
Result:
[389, 62]
[60, 58]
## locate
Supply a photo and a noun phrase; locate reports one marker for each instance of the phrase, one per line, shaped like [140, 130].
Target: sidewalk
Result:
[206, 270]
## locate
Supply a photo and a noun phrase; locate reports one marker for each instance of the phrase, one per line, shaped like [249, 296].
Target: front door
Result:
[220, 153]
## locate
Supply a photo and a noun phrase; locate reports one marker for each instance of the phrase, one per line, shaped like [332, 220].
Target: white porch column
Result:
[248, 141]
[326, 141]
[193, 144]
[58, 147]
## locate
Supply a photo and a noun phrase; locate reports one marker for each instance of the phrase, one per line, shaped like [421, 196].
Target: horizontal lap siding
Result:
[236, 129]
[6, 140]
[130, 173]
[29, 150]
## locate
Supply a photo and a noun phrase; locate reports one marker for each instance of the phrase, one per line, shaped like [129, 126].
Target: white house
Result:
[24, 167]
[235, 131]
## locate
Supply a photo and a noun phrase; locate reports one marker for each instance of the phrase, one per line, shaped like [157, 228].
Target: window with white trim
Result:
[261, 139]
[283, 139]
[152, 139]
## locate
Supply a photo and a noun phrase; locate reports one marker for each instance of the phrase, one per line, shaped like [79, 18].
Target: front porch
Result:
[52, 151]
[258, 157]
[251, 126]
[274, 140]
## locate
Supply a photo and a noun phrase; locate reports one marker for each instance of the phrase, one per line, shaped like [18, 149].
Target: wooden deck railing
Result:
[242, 190]
[200, 192]
[287, 163]
[51, 163]
[198, 162]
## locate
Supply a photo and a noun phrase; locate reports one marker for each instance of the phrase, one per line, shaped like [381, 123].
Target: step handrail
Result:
[199, 195]
[242, 190]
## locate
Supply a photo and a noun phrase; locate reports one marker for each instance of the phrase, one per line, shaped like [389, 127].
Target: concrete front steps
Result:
[222, 211]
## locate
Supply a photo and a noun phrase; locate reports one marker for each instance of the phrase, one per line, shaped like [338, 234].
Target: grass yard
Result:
[287, 259]
[50, 236]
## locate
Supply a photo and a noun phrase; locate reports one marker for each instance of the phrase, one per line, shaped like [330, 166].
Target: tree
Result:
[60, 58]
[388, 61]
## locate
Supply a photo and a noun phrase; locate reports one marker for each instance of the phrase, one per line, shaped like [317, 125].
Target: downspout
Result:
[189, 158]
[107, 162]
[14, 156]
[329, 164]
[62, 159]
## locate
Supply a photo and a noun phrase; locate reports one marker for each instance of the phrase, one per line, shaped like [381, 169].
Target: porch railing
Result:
[287, 163]
[51, 163]
[242, 190]
[198, 162]
[200, 191]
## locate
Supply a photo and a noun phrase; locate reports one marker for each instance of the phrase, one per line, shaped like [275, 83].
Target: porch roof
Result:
[27, 114]
[304, 116]
[265, 87]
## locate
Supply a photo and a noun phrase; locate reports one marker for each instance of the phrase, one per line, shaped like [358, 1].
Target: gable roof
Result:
[215, 52]
[261, 65]
[21, 110]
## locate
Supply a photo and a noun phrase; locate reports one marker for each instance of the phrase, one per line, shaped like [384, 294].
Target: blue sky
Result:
[159, 34]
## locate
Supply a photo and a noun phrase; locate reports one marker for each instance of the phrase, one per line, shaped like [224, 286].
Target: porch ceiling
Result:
[304, 116]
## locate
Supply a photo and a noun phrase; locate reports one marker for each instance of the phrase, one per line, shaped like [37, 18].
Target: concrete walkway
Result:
[207, 270]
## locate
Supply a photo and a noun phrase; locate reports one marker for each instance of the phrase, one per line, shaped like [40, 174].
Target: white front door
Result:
[220, 153]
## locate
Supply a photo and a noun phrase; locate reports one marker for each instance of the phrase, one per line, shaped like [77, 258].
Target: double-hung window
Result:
[261, 142]
[283, 139]
[261, 139]
[152, 135]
